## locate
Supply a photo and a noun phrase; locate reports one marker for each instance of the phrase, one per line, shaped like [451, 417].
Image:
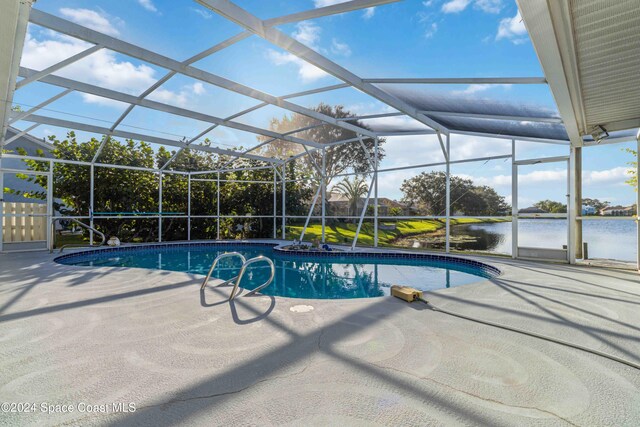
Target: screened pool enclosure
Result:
[288, 176]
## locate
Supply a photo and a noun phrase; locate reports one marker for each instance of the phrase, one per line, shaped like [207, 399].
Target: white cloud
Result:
[469, 147]
[323, 3]
[512, 29]
[613, 176]
[307, 33]
[198, 88]
[98, 100]
[165, 96]
[203, 13]
[616, 175]
[489, 6]
[431, 30]
[92, 19]
[102, 68]
[339, 48]
[426, 19]
[455, 6]
[148, 4]
[475, 88]
[306, 72]
[369, 12]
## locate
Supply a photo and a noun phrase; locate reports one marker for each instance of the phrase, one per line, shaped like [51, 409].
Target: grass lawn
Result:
[66, 239]
[345, 232]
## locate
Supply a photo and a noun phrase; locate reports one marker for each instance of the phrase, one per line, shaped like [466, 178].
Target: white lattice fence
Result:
[21, 227]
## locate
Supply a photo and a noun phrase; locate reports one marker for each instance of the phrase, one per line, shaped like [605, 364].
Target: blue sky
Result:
[412, 38]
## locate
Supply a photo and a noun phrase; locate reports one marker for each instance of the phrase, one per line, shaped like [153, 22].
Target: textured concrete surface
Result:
[98, 336]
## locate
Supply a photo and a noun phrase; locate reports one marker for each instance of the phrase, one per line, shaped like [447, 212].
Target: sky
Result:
[411, 38]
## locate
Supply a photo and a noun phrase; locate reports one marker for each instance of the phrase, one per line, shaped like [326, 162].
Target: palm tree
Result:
[352, 190]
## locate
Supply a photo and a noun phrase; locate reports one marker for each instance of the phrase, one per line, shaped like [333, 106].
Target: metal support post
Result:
[160, 207]
[50, 241]
[189, 206]
[637, 201]
[324, 191]
[275, 202]
[284, 200]
[375, 193]
[91, 203]
[577, 201]
[313, 205]
[218, 208]
[514, 201]
[2, 204]
[364, 210]
[571, 207]
[448, 196]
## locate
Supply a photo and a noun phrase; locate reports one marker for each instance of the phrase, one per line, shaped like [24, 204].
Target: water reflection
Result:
[611, 239]
[326, 278]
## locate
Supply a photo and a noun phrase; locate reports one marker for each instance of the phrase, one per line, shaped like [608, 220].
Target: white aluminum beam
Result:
[136, 136]
[55, 67]
[606, 141]
[154, 105]
[104, 141]
[539, 22]
[218, 47]
[323, 11]
[541, 160]
[21, 133]
[241, 17]
[408, 133]
[43, 104]
[462, 80]
[191, 141]
[74, 30]
[372, 116]
[495, 117]
[293, 95]
[519, 138]
[269, 141]
[343, 7]
[14, 18]
[78, 162]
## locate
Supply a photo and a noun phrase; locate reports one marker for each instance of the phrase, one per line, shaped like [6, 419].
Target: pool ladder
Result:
[238, 278]
[73, 245]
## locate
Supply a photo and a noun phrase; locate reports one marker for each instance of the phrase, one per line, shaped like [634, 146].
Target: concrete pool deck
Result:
[98, 336]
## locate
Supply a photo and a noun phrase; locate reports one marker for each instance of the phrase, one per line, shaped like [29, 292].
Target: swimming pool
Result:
[335, 275]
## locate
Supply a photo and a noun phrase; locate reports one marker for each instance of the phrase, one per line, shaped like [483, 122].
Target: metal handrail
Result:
[75, 245]
[244, 268]
[215, 262]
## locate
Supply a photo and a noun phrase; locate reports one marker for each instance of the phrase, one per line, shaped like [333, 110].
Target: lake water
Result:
[611, 239]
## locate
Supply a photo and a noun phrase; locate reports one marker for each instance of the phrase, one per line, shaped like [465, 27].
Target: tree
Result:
[115, 190]
[427, 193]
[339, 158]
[352, 190]
[633, 180]
[551, 207]
[125, 190]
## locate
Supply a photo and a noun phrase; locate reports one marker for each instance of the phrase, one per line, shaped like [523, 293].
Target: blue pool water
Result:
[297, 276]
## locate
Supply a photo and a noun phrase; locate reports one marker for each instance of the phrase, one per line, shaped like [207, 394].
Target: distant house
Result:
[339, 205]
[618, 211]
[32, 146]
[588, 210]
[532, 210]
